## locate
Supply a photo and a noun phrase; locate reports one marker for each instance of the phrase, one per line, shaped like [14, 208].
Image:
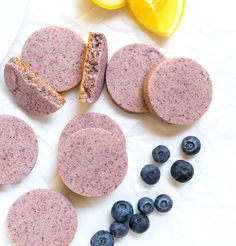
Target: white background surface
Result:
[204, 212]
[10, 22]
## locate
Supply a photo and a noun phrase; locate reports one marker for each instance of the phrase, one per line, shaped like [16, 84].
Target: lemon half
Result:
[110, 4]
[159, 16]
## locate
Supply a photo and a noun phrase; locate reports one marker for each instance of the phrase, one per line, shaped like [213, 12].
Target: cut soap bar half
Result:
[94, 68]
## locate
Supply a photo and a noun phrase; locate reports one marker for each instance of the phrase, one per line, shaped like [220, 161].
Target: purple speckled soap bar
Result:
[56, 54]
[178, 90]
[126, 72]
[92, 120]
[29, 90]
[18, 149]
[94, 68]
[42, 217]
[92, 162]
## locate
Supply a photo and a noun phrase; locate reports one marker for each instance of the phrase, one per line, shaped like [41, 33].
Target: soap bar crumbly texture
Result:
[94, 68]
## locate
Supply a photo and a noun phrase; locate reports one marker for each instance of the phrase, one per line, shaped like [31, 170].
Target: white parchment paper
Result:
[10, 22]
[204, 212]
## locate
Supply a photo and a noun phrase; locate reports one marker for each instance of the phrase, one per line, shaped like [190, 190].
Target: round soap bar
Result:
[56, 54]
[178, 90]
[92, 120]
[92, 162]
[126, 72]
[18, 149]
[42, 217]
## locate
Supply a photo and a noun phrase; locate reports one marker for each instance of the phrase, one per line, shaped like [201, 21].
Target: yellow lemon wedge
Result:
[110, 4]
[159, 16]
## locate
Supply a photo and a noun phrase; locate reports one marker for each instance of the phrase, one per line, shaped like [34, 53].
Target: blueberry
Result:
[118, 229]
[122, 211]
[102, 238]
[139, 223]
[182, 171]
[145, 205]
[161, 154]
[163, 203]
[150, 174]
[191, 145]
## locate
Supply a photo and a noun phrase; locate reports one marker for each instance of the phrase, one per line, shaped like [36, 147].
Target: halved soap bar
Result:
[94, 70]
[29, 90]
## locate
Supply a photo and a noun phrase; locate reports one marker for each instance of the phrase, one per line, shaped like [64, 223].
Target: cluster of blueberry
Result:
[122, 211]
[181, 170]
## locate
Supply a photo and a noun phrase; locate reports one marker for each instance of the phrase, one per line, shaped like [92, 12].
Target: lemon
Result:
[110, 4]
[159, 16]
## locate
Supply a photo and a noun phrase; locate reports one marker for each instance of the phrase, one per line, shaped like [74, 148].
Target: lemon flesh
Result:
[159, 16]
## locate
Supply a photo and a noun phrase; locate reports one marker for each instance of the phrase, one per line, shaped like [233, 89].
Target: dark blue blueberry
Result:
[182, 171]
[139, 223]
[145, 205]
[163, 203]
[161, 154]
[102, 238]
[150, 174]
[122, 211]
[191, 145]
[118, 229]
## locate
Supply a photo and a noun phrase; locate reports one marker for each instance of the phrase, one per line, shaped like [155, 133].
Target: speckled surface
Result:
[92, 120]
[179, 91]
[92, 162]
[29, 90]
[94, 68]
[126, 72]
[56, 54]
[18, 149]
[41, 217]
[200, 216]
